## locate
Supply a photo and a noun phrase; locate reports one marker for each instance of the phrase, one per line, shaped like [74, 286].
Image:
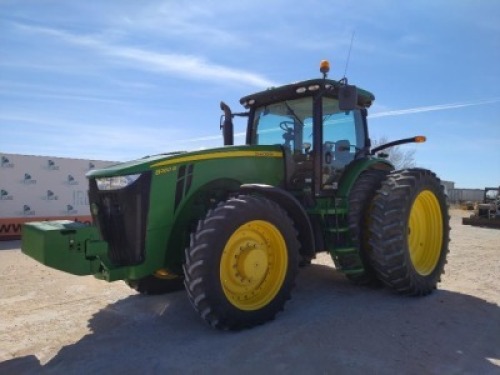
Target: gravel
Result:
[54, 323]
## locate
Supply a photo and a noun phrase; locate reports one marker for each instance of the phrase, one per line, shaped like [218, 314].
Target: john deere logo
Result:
[70, 210]
[4, 195]
[27, 211]
[50, 196]
[28, 180]
[51, 166]
[70, 180]
[5, 162]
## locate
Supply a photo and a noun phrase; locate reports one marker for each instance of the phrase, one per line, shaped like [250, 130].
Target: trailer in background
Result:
[465, 195]
[35, 188]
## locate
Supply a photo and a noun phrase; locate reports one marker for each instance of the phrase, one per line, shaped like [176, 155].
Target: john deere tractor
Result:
[233, 224]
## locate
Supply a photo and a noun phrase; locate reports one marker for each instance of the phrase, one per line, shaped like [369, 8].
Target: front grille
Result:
[121, 217]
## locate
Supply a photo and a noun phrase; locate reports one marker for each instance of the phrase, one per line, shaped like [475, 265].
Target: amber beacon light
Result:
[324, 67]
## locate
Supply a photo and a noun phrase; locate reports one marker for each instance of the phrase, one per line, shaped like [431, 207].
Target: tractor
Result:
[487, 213]
[233, 224]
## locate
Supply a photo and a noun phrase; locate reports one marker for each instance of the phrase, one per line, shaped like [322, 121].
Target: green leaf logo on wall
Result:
[28, 180]
[70, 180]
[50, 196]
[70, 210]
[5, 196]
[27, 211]
[5, 162]
[51, 165]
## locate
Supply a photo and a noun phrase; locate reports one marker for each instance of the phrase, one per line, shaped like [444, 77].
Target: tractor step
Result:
[354, 271]
[338, 230]
[347, 259]
[345, 250]
[328, 211]
[338, 240]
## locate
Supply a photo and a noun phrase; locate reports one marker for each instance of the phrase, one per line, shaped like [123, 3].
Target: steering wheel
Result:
[288, 132]
[287, 126]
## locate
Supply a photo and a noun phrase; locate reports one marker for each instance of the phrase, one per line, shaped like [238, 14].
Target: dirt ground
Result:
[55, 323]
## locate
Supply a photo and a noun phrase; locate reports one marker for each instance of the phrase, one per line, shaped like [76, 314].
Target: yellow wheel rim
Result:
[425, 232]
[253, 265]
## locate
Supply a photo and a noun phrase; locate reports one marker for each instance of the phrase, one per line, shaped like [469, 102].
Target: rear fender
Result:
[354, 170]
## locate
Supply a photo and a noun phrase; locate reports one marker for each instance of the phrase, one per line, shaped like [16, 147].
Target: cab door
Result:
[342, 139]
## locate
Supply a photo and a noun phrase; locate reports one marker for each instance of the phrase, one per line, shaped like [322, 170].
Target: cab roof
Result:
[302, 89]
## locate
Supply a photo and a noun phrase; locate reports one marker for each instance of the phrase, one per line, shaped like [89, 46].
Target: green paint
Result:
[214, 173]
[63, 245]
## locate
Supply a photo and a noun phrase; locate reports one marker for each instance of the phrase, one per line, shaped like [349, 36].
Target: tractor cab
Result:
[320, 124]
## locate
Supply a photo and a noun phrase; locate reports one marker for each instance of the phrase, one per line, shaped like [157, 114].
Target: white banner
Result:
[40, 187]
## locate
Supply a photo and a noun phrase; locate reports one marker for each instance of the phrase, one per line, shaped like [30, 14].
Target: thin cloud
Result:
[208, 138]
[439, 107]
[187, 20]
[188, 66]
[400, 112]
[61, 97]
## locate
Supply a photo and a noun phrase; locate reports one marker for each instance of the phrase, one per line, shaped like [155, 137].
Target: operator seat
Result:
[328, 156]
[342, 154]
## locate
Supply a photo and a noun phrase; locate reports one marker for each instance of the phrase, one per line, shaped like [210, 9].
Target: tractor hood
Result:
[157, 161]
[133, 166]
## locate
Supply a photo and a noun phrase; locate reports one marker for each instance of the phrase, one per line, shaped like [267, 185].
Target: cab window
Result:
[287, 123]
[343, 134]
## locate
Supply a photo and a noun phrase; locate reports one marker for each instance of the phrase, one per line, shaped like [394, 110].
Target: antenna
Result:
[348, 55]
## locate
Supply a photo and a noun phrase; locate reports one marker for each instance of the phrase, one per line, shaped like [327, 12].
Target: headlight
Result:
[117, 182]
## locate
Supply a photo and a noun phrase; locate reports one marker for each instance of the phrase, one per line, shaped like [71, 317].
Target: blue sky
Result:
[117, 80]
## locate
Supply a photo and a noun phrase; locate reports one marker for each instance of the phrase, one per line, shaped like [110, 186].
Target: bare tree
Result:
[400, 158]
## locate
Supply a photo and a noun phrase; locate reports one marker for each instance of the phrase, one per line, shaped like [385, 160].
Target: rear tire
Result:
[410, 231]
[241, 263]
[360, 203]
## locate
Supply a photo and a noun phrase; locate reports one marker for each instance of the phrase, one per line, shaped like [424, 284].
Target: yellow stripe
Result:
[219, 155]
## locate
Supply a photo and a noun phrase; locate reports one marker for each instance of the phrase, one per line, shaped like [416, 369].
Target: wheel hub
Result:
[425, 232]
[253, 265]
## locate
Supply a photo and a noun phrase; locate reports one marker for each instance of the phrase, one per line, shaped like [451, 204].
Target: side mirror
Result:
[348, 97]
[227, 125]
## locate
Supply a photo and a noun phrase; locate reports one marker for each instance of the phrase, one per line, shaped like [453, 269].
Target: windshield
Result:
[287, 123]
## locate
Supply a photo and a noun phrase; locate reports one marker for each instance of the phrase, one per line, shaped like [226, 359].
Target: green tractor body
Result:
[233, 223]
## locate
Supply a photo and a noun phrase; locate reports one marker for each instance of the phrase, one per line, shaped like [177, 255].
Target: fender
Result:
[293, 208]
[353, 171]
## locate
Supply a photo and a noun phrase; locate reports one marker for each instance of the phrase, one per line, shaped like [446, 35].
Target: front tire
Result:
[241, 263]
[410, 231]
